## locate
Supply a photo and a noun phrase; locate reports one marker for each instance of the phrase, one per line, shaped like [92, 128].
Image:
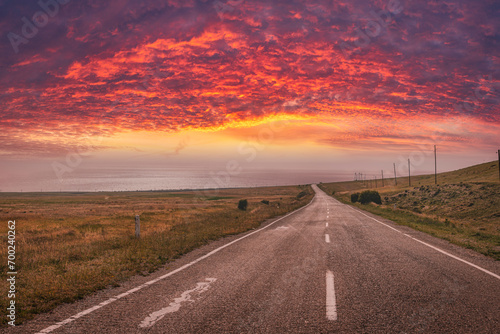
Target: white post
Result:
[137, 227]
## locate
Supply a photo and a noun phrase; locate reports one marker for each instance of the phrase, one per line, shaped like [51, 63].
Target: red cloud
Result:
[189, 68]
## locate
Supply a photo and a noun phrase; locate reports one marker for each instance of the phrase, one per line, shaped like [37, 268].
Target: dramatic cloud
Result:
[98, 68]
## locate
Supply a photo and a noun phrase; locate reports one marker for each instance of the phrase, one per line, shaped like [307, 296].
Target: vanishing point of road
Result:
[325, 268]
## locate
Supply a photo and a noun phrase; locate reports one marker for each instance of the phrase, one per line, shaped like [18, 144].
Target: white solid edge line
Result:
[331, 303]
[456, 258]
[115, 298]
[327, 238]
[433, 247]
[378, 221]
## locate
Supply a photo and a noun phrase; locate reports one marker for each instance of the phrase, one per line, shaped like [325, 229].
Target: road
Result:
[326, 268]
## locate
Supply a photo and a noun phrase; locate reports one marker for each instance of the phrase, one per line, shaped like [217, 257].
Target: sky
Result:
[329, 85]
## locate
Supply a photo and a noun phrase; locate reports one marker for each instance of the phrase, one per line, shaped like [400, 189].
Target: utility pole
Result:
[435, 166]
[382, 178]
[409, 174]
[499, 164]
[395, 177]
[376, 182]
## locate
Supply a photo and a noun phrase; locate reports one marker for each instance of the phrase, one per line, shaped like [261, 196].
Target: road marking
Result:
[174, 306]
[327, 238]
[435, 248]
[326, 224]
[331, 302]
[456, 257]
[115, 298]
[282, 228]
[378, 221]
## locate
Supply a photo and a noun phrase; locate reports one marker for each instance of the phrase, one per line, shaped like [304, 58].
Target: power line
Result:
[435, 166]
[395, 177]
[409, 174]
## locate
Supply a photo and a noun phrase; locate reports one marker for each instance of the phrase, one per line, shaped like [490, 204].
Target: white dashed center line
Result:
[331, 303]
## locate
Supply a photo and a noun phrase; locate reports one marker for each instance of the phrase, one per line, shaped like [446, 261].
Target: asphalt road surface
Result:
[325, 268]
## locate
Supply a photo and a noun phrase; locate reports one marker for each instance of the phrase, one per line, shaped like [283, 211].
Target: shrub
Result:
[265, 201]
[368, 196]
[301, 194]
[354, 197]
[333, 192]
[243, 204]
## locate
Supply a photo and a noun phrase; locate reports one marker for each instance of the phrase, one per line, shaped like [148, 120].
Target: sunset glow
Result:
[190, 79]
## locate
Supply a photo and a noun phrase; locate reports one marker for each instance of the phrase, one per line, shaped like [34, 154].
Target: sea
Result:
[155, 179]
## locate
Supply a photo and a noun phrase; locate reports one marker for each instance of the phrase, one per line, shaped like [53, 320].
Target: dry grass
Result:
[463, 208]
[71, 244]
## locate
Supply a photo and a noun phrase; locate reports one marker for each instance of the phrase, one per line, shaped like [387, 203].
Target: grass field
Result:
[69, 245]
[464, 208]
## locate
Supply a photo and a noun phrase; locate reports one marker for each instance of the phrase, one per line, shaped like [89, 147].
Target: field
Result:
[69, 245]
[463, 208]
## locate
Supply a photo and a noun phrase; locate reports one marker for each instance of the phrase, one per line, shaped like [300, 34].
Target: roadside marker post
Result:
[137, 226]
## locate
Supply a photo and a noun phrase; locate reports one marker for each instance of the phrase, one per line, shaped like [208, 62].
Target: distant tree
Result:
[243, 204]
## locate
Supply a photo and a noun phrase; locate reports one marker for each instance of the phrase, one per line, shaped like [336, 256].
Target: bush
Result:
[243, 204]
[354, 197]
[301, 194]
[333, 192]
[368, 196]
[265, 201]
